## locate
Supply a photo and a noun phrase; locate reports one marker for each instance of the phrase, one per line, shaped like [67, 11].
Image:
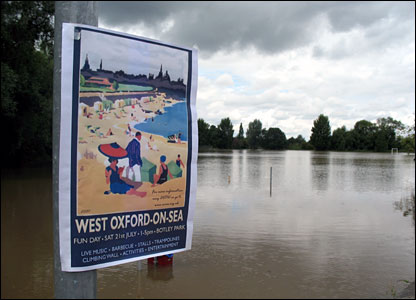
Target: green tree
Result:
[225, 134]
[240, 132]
[239, 142]
[387, 131]
[407, 143]
[381, 140]
[214, 136]
[9, 81]
[338, 140]
[115, 87]
[27, 80]
[364, 134]
[307, 146]
[321, 133]
[300, 139]
[298, 143]
[82, 80]
[203, 133]
[389, 122]
[292, 144]
[350, 140]
[254, 134]
[274, 139]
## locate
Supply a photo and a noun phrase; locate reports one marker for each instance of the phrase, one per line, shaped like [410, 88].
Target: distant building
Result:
[86, 66]
[162, 77]
[166, 77]
[98, 82]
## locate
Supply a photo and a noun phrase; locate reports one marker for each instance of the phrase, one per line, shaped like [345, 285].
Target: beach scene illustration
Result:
[132, 147]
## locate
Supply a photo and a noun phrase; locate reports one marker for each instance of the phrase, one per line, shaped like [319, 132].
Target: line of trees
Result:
[26, 81]
[381, 136]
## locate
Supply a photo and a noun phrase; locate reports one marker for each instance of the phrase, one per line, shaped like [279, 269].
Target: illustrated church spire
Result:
[160, 75]
[166, 77]
[86, 66]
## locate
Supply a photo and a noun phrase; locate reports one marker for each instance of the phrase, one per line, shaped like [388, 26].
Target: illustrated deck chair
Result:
[174, 170]
[147, 170]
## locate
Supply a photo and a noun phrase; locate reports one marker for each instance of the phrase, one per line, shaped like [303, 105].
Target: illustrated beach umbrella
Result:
[112, 150]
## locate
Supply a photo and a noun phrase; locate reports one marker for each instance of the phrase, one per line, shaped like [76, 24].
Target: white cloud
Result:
[289, 90]
[224, 80]
[347, 60]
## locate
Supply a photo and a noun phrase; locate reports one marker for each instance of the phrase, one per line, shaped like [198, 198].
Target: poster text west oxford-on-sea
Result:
[99, 224]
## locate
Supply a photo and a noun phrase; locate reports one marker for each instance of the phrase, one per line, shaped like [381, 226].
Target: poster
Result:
[128, 148]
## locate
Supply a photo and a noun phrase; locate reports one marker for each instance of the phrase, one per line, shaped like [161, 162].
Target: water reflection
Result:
[160, 272]
[407, 205]
[374, 172]
[320, 170]
[328, 231]
[256, 174]
[218, 168]
[26, 233]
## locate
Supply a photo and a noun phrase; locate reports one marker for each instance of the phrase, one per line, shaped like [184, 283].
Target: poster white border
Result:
[65, 146]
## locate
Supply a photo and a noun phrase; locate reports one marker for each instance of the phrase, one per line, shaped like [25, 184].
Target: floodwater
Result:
[332, 227]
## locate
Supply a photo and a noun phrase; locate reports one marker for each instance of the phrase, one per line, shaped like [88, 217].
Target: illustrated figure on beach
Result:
[135, 160]
[179, 162]
[173, 138]
[162, 177]
[129, 131]
[118, 184]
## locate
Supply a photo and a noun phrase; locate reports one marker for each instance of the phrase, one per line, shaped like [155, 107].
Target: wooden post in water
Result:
[271, 180]
[67, 284]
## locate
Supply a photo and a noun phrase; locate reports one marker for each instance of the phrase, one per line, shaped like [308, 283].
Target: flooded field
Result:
[335, 225]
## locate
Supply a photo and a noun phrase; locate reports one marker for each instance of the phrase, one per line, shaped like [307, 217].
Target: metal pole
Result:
[271, 179]
[67, 285]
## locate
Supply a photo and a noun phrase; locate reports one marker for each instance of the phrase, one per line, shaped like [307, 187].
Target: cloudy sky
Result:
[285, 63]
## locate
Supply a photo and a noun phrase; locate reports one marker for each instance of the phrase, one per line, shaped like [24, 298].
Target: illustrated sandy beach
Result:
[106, 126]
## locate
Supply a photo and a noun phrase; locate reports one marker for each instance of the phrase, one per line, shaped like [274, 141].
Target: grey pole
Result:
[271, 180]
[67, 285]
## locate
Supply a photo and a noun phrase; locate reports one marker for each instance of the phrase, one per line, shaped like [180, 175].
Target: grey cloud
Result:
[268, 26]
[228, 25]
[318, 51]
[338, 51]
[128, 13]
[345, 15]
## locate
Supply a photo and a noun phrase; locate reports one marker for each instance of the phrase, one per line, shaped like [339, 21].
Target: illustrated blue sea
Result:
[173, 121]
